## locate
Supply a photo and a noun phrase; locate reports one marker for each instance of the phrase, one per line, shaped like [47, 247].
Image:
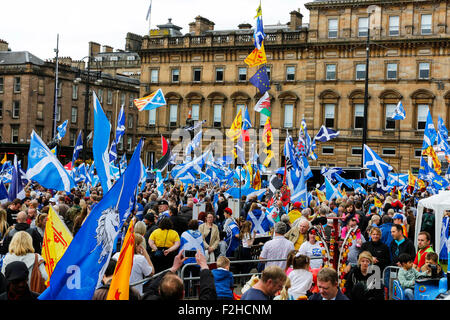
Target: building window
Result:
[425, 24]
[197, 74]
[417, 153]
[363, 27]
[58, 113]
[17, 85]
[72, 138]
[175, 75]
[415, 170]
[154, 76]
[361, 71]
[394, 26]
[114, 58]
[424, 70]
[109, 97]
[59, 89]
[123, 98]
[39, 131]
[359, 116]
[100, 95]
[332, 28]
[391, 71]
[242, 74]
[1, 109]
[109, 116]
[74, 91]
[152, 117]
[130, 100]
[2, 85]
[388, 152]
[329, 115]
[16, 109]
[217, 115]
[422, 114]
[14, 134]
[195, 112]
[74, 115]
[356, 151]
[288, 115]
[219, 74]
[41, 86]
[290, 73]
[173, 115]
[129, 143]
[131, 58]
[327, 150]
[389, 123]
[331, 72]
[130, 121]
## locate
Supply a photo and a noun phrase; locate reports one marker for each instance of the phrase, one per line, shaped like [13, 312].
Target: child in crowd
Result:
[222, 244]
[289, 261]
[284, 293]
[432, 259]
[223, 279]
[301, 278]
[407, 275]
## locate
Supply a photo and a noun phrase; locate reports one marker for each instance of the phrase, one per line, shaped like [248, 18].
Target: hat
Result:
[163, 202]
[297, 204]
[398, 216]
[149, 216]
[16, 270]
[228, 210]
[195, 200]
[52, 200]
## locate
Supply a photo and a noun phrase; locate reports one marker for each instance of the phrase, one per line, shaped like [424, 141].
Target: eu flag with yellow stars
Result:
[261, 80]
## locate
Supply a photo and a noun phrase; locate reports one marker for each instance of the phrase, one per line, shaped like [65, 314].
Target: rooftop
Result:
[19, 57]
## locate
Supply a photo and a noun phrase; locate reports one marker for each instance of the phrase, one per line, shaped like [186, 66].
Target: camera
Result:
[190, 253]
[433, 270]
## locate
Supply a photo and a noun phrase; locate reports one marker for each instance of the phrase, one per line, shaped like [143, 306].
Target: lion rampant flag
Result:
[321, 195]
[432, 154]
[236, 127]
[377, 202]
[120, 284]
[56, 240]
[256, 57]
[257, 181]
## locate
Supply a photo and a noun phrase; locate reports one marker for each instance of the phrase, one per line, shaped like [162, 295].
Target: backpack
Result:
[428, 222]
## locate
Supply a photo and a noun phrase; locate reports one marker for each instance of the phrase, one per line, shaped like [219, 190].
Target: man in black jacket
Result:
[21, 225]
[379, 251]
[16, 274]
[400, 244]
[169, 286]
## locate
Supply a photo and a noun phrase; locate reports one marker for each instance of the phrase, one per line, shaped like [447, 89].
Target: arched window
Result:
[194, 101]
[329, 101]
[389, 100]
[217, 102]
[422, 101]
[174, 101]
[288, 102]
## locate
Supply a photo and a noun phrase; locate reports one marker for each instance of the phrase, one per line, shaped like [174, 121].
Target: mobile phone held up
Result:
[190, 253]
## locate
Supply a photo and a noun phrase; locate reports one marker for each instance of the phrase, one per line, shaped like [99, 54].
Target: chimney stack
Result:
[296, 20]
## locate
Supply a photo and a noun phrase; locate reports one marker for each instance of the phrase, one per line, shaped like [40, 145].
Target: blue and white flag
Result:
[430, 134]
[259, 34]
[301, 192]
[192, 240]
[331, 192]
[232, 230]
[442, 129]
[260, 222]
[194, 144]
[399, 112]
[246, 123]
[330, 173]
[3, 193]
[159, 183]
[293, 165]
[80, 270]
[120, 130]
[113, 151]
[45, 168]
[77, 149]
[62, 128]
[326, 134]
[374, 162]
[102, 131]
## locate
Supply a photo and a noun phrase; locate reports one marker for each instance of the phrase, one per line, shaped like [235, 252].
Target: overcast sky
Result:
[33, 25]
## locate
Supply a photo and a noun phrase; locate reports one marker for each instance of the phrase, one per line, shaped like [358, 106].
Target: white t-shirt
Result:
[301, 281]
[312, 250]
[140, 270]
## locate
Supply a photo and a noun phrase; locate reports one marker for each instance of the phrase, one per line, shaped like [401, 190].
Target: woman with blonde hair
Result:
[3, 223]
[140, 227]
[21, 249]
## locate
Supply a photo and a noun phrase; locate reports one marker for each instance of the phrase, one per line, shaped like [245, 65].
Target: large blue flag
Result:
[261, 80]
[77, 149]
[301, 192]
[102, 130]
[373, 162]
[326, 134]
[81, 268]
[430, 134]
[331, 191]
[16, 189]
[45, 168]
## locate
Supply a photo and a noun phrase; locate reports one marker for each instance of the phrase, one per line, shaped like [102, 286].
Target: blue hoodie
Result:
[224, 282]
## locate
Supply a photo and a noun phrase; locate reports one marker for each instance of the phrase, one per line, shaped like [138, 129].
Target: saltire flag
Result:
[301, 193]
[259, 34]
[150, 102]
[263, 105]
[428, 174]
[78, 148]
[373, 162]
[236, 127]
[194, 144]
[442, 138]
[100, 148]
[430, 134]
[231, 239]
[16, 188]
[62, 128]
[166, 153]
[330, 173]
[399, 112]
[256, 57]
[442, 128]
[260, 223]
[57, 238]
[119, 288]
[246, 124]
[331, 191]
[120, 130]
[261, 80]
[159, 183]
[325, 134]
[238, 150]
[45, 168]
[292, 164]
[113, 151]
[80, 270]
[3, 193]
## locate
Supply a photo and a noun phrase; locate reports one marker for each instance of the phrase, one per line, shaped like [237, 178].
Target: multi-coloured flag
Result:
[150, 102]
[263, 105]
[236, 127]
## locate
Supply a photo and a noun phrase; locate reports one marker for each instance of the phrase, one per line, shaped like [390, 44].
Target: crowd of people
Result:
[171, 236]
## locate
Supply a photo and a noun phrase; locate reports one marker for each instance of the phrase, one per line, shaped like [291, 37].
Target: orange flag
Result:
[120, 284]
[257, 57]
[436, 163]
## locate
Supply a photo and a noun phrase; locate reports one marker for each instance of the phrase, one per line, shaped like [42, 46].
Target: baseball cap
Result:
[398, 216]
[297, 204]
[16, 270]
[228, 210]
[163, 202]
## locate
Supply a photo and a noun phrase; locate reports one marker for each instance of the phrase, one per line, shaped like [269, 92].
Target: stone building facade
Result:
[317, 73]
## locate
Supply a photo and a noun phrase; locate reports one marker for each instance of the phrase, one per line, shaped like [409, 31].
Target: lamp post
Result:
[87, 95]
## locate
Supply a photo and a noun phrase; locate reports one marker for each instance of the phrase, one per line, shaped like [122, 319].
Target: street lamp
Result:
[87, 95]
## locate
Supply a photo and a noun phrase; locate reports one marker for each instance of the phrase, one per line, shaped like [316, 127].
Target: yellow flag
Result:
[256, 57]
[411, 179]
[5, 158]
[267, 133]
[258, 11]
[431, 153]
[257, 181]
[56, 240]
[268, 158]
[421, 184]
[321, 195]
[344, 193]
[236, 127]
[399, 195]
[377, 202]
[120, 284]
